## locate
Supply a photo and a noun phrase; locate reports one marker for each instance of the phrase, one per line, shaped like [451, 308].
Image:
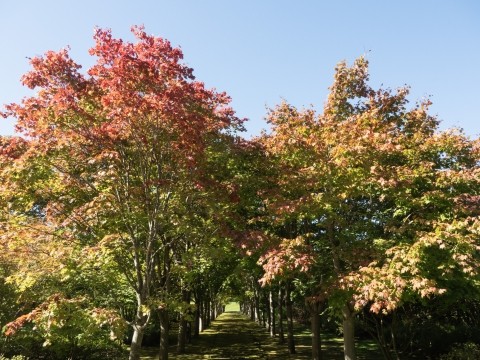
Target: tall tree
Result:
[368, 184]
[123, 146]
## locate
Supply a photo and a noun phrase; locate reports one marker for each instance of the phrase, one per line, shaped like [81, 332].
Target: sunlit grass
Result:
[234, 336]
[233, 306]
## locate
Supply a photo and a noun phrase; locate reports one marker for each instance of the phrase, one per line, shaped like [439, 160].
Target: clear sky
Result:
[260, 51]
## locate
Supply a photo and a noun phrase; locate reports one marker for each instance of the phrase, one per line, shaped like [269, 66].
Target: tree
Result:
[121, 149]
[51, 278]
[371, 191]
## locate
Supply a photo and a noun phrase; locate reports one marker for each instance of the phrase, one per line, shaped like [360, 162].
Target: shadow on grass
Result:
[234, 336]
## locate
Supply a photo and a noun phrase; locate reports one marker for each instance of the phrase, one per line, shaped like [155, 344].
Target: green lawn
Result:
[233, 306]
[234, 336]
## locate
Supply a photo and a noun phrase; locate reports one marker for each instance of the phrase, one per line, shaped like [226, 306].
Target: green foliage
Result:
[465, 351]
[63, 326]
[15, 357]
[7, 300]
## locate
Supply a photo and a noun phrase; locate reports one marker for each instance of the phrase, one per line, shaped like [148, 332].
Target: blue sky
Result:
[260, 51]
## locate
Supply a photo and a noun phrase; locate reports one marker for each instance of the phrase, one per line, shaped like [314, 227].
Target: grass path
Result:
[234, 336]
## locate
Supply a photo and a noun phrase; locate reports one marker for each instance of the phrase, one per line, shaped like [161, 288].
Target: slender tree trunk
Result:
[201, 316]
[213, 309]
[257, 308]
[393, 337]
[163, 310]
[348, 316]
[266, 302]
[182, 326]
[316, 339]
[140, 321]
[182, 336]
[281, 333]
[252, 310]
[271, 305]
[196, 323]
[265, 321]
[164, 332]
[136, 346]
[290, 339]
[207, 312]
[348, 333]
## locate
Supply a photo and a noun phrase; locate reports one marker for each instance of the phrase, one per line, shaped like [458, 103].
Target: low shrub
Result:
[465, 351]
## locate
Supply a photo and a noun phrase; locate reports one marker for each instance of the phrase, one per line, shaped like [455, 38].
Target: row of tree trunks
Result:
[278, 309]
[206, 310]
[272, 308]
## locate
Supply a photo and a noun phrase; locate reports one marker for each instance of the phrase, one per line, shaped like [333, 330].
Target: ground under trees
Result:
[234, 336]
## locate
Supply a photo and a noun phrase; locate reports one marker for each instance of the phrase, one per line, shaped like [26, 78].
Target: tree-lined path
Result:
[233, 336]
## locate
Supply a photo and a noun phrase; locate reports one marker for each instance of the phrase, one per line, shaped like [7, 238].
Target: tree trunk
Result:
[316, 339]
[348, 318]
[271, 305]
[182, 325]
[268, 322]
[182, 336]
[290, 339]
[213, 309]
[348, 333]
[196, 324]
[393, 337]
[140, 321]
[265, 320]
[257, 308]
[207, 312]
[281, 336]
[164, 331]
[136, 346]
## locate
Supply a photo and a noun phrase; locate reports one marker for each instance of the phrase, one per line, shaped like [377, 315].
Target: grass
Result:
[234, 336]
[233, 306]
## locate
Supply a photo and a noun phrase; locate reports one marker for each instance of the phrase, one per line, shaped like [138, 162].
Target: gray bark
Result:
[257, 308]
[271, 305]
[290, 338]
[164, 331]
[196, 325]
[348, 333]
[136, 345]
[138, 324]
[182, 328]
[281, 333]
[348, 315]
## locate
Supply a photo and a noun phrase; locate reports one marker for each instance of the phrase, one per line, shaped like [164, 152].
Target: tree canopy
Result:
[129, 196]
